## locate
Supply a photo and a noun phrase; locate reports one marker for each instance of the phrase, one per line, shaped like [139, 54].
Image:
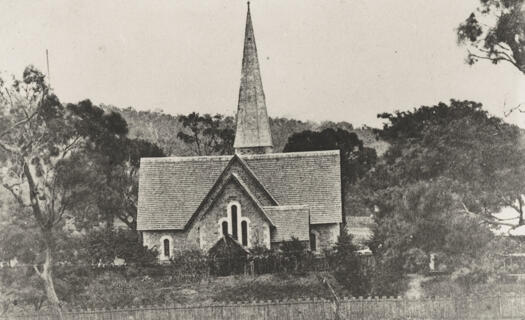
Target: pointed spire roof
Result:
[253, 127]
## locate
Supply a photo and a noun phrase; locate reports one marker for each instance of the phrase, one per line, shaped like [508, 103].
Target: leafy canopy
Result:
[495, 32]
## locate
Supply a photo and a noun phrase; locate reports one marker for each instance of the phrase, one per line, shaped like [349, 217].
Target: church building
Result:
[258, 197]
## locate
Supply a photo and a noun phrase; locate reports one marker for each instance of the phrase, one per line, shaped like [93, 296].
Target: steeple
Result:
[253, 127]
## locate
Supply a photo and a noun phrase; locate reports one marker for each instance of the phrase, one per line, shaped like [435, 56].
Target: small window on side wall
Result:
[166, 246]
[244, 233]
[313, 241]
[224, 228]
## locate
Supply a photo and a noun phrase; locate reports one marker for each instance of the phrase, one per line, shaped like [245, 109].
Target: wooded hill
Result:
[162, 129]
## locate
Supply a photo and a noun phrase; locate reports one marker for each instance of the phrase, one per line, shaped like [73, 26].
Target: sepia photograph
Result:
[233, 159]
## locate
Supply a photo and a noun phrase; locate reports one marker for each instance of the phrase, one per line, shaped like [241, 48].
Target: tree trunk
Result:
[46, 226]
[520, 202]
[47, 276]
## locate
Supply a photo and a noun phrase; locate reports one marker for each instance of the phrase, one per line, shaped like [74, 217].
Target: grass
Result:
[114, 290]
[276, 287]
[444, 286]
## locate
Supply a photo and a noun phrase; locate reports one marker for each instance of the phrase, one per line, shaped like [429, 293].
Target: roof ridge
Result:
[288, 207]
[244, 156]
[290, 154]
[183, 158]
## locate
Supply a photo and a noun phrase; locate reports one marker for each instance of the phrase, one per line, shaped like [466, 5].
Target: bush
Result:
[294, 255]
[103, 246]
[192, 263]
[347, 267]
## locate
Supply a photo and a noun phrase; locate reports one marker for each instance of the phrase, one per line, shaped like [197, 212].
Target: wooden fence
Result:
[472, 307]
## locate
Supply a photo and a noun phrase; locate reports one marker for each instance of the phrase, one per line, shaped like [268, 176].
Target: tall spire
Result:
[253, 128]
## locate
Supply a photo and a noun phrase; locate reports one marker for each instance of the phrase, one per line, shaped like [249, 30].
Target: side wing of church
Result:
[257, 197]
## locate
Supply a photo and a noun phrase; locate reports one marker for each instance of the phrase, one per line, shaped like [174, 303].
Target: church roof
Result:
[171, 189]
[290, 221]
[253, 127]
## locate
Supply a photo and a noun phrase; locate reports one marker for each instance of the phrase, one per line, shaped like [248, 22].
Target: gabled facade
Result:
[256, 197]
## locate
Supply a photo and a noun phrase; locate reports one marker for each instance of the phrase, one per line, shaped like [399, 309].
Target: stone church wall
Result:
[327, 235]
[206, 231]
[179, 241]
[210, 229]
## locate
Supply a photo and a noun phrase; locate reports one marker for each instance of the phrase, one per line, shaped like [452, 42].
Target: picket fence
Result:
[471, 307]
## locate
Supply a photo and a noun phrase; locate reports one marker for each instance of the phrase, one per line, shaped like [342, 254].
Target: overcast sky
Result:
[320, 60]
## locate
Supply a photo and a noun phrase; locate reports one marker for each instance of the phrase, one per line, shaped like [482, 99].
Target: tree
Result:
[495, 32]
[283, 128]
[448, 169]
[103, 247]
[480, 153]
[206, 134]
[117, 191]
[347, 267]
[39, 137]
[418, 220]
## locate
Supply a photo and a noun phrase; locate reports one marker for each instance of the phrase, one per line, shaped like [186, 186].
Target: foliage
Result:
[495, 32]
[262, 291]
[52, 158]
[104, 246]
[156, 127]
[283, 128]
[193, 262]
[481, 154]
[116, 188]
[206, 134]
[447, 170]
[294, 255]
[20, 287]
[347, 268]
[162, 129]
[293, 248]
[38, 136]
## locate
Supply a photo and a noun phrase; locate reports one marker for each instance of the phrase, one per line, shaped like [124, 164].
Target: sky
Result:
[339, 60]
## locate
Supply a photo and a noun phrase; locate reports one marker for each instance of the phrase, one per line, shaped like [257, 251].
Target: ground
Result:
[114, 290]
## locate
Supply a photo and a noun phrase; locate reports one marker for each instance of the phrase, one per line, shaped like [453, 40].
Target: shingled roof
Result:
[290, 221]
[172, 188]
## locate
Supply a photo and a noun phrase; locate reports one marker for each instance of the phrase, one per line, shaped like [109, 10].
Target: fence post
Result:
[500, 312]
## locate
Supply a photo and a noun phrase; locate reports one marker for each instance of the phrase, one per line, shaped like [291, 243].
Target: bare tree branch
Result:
[516, 108]
[493, 220]
[18, 124]
[495, 59]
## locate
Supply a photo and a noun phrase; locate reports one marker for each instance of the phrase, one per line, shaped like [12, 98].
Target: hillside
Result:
[162, 129]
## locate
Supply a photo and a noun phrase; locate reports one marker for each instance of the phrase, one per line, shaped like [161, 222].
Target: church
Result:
[257, 197]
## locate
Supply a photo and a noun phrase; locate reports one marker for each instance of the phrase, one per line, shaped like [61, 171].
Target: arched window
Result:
[224, 228]
[234, 222]
[313, 241]
[244, 233]
[166, 244]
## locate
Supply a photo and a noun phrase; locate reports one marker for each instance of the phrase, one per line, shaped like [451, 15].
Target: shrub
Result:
[347, 267]
[103, 246]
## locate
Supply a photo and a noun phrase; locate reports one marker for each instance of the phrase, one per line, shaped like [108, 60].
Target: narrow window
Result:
[224, 228]
[313, 242]
[166, 248]
[244, 233]
[234, 222]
